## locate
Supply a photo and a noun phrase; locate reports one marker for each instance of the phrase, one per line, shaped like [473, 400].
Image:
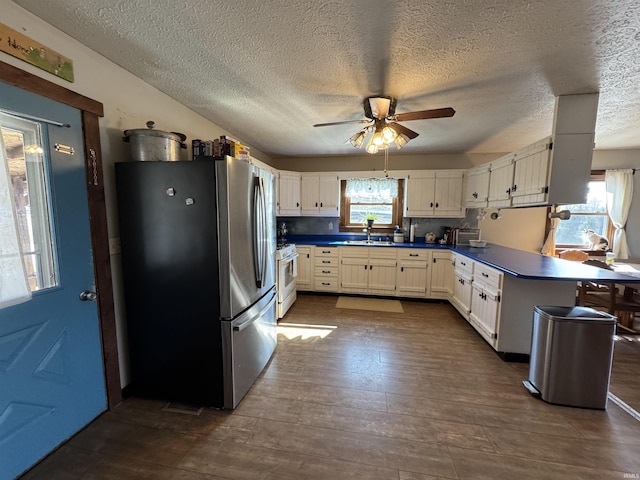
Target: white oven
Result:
[286, 281]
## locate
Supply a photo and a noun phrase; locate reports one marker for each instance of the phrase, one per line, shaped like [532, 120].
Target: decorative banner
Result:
[22, 47]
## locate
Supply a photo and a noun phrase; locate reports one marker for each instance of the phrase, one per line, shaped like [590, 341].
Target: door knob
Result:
[88, 296]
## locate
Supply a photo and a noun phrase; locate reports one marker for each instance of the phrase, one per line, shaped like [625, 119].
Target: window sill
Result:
[591, 253]
[359, 228]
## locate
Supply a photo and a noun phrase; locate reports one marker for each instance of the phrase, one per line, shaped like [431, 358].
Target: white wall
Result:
[521, 228]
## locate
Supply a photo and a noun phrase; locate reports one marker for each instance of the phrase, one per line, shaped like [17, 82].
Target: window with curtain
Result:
[586, 216]
[378, 198]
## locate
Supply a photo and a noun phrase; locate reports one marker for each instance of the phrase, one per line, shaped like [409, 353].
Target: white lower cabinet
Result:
[412, 274]
[304, 280]
[461, 297]
[441, 277]
[326, 270]
[368, 270]
[485, 301]
[354, 269]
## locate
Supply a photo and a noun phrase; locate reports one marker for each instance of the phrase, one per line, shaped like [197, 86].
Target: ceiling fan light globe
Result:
[401, 141]
[377, 139]
[389, 134]
[372, 148]
[357, 139]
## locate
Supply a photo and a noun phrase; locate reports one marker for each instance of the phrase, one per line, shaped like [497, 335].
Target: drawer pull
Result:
[326, 271]
[414, 254]
[326, 251]
[485, 275]
[326, 261]
[326, 283]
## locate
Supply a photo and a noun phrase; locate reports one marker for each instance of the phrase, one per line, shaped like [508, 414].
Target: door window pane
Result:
[26, 157]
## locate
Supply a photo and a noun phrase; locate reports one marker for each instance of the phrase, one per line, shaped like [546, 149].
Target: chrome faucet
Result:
[368, 231]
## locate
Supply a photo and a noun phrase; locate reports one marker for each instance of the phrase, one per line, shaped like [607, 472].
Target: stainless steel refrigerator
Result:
[198, 257]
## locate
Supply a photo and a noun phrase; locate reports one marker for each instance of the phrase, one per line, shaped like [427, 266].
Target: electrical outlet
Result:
[114, 246]
[330, 225]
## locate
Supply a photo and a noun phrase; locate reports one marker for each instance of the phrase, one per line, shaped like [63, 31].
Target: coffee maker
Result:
[282, 233]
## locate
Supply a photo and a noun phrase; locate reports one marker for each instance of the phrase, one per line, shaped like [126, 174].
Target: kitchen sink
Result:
[372, 243]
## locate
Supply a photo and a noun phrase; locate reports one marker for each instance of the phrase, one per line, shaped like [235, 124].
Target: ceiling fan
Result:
[382, 119]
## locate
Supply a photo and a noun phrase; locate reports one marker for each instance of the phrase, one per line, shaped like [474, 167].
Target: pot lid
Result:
[150, 132]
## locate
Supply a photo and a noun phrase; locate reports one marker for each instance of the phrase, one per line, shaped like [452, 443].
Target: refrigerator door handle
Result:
[265, 233]
[259, 231]
[247, 323]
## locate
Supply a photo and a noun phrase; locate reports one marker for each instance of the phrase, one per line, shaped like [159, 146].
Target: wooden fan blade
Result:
[425, 114]
[340, 123]
[402, 130]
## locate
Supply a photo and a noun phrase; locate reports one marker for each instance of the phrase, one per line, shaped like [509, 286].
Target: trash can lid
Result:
[574, 314]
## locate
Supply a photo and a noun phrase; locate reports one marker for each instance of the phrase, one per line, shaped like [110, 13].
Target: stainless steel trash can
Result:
[571, 354]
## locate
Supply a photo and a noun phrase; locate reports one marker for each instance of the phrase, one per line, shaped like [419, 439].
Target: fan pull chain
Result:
[386, 162]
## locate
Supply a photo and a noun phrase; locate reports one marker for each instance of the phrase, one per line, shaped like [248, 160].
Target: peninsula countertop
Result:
[518, 263]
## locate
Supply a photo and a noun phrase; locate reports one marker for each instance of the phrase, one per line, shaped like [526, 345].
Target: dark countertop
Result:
[521, 264]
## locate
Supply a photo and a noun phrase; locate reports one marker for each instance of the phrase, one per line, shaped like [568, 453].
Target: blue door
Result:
[51, 368]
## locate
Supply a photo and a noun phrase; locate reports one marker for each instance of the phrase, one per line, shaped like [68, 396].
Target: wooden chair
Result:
[607, 297]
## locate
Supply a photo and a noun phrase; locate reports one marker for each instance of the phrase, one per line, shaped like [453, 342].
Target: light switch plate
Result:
[114, 246]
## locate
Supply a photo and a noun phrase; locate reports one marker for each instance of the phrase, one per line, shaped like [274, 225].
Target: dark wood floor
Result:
[354, 394]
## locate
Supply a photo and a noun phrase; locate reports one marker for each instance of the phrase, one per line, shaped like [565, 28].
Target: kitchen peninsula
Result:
[494, 288]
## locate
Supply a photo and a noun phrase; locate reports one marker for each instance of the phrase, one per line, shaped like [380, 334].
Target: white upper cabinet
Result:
[435, 193]
[320, 194]
[477, 195]
[531, 174]
[501, 182]
[288, 194]
[421, 192]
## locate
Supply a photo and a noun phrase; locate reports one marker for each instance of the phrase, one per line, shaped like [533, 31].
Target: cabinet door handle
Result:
[508, 191]
[365, 267]
[431, 204]
[402, 269]
[370, 267]
[308, 256]
[515, 187]
[320, 203]
[437, 205]
[297, 204]
[316, 204]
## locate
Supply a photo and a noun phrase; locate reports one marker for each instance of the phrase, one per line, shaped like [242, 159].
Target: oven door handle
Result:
[290, 258]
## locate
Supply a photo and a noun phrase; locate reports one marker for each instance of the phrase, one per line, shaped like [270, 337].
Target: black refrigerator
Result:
[198, 259]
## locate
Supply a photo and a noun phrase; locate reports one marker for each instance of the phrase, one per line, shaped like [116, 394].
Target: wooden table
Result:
[629, 290]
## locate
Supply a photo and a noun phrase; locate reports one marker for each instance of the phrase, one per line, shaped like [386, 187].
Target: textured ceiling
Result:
[268, 70]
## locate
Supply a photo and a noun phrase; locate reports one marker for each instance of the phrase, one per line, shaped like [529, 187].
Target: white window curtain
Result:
[619, 195]
[549, 247]
[14, 287]
[371, 189]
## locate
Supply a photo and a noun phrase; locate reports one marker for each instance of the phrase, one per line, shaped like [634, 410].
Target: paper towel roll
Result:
[412, 233]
